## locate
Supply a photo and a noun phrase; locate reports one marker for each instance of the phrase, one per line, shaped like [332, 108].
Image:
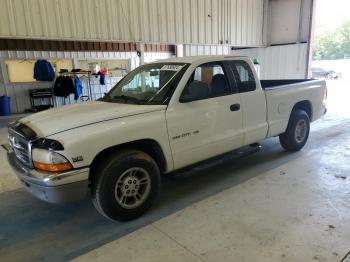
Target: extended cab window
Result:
[207, 80]
[243, 75]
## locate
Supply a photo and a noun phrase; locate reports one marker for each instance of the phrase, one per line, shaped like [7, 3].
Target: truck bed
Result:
[282, 95]
[269, 84]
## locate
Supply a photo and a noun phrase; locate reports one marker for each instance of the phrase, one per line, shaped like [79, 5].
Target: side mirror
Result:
[185, 98]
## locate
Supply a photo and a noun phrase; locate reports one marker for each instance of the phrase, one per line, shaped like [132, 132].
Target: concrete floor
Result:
[268, 206]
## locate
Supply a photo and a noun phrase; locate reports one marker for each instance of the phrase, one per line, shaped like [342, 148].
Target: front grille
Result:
[21, 147]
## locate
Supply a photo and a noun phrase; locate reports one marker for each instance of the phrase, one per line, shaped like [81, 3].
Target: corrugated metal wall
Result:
[153, 56]
[19, 92]
[195, 50]
[229, 22]
[279, 62]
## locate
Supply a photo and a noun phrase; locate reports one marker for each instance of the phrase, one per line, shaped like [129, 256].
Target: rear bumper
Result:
[54, 188]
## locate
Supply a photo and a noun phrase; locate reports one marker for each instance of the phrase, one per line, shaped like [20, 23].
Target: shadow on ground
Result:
[33, 230]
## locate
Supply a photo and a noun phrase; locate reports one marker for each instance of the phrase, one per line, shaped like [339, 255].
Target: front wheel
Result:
[125, 185]
[297, 131]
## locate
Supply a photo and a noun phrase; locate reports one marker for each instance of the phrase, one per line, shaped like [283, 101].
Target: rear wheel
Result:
[297, 131]
[125, 185]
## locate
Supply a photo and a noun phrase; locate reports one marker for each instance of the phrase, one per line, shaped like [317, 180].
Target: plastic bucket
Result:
[5, 108]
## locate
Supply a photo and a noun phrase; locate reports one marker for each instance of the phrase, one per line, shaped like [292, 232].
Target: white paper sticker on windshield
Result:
[172, 67]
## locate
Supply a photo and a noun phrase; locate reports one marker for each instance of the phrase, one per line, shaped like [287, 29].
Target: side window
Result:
[244, 77]
[208, 80]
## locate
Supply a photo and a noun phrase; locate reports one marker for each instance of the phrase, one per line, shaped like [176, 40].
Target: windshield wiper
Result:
[106, 95]
[127, 98]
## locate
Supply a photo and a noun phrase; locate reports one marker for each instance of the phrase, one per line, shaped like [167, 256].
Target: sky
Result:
[331, 13]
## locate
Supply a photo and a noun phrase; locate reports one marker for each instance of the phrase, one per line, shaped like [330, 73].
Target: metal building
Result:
[261, 29]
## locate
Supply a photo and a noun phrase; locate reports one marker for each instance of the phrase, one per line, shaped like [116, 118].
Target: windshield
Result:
[148, 84]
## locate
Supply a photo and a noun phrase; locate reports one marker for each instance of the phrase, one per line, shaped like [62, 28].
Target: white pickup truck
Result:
[159, 118]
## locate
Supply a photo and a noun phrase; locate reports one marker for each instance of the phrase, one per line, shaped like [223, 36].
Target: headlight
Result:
[50, 161]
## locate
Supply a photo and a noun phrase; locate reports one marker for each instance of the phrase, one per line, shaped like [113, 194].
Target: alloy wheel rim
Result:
[300, 131]
[132, 187]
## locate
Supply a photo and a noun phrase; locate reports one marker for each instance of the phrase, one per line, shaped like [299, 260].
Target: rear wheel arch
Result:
[297, 132]
[148, 146]
[304, 105]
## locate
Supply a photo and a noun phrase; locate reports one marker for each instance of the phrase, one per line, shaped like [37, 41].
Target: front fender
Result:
[81, 145]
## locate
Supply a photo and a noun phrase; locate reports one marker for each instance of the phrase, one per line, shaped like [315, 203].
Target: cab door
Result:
[205, 120]
[253, 101]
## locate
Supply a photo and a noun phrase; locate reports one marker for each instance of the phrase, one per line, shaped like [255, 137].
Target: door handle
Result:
[235, 107]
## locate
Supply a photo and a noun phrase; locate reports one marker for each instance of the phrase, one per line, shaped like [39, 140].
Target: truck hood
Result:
[68, 117]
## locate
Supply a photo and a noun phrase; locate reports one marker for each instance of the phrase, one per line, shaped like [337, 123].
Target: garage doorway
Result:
[331, 53]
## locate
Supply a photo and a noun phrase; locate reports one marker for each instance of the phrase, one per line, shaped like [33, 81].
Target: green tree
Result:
[344, 33]
[333, 45]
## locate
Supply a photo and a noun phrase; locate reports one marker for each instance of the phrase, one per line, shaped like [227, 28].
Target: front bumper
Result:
[54, 188]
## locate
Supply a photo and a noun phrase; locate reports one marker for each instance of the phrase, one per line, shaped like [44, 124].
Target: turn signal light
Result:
[48, 160]
[52, 167]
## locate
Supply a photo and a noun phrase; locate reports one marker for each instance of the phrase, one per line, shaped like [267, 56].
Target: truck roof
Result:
[202, 59]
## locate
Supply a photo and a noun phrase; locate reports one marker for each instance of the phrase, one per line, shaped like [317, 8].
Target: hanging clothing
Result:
[43, 71]
[63, 86]
[78, 88]
[102, 74]
[102, 79]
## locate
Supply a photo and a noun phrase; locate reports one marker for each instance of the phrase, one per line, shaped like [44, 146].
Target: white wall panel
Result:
[279, 62]
[227, 22]
[289, 21]
[306, 19]
[150, 57]
[19, 92]
[197, 50]
[284, 21]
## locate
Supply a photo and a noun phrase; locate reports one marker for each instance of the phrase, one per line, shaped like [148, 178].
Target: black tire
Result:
[110, 171]
[290, 140]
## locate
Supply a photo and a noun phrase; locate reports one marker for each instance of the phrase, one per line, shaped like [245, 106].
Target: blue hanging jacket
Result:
[78, 88]
[43, 71]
